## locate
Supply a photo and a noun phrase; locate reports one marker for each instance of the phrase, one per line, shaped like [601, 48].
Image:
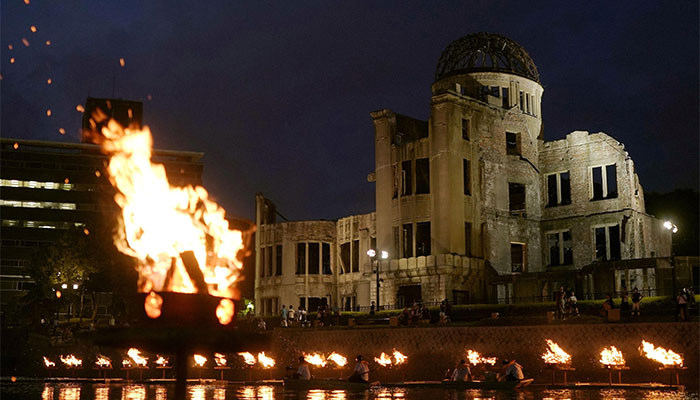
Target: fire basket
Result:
[557, 359]
[612, 360]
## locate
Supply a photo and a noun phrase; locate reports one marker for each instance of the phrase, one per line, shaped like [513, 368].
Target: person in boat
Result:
[303, 371]
[361, 372]
[462, 372]
[513, 372]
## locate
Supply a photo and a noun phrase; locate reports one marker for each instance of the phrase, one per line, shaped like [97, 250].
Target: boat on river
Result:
[328, 384]
[491, 385]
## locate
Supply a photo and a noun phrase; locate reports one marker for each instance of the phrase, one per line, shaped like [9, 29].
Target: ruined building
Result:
[472, 205]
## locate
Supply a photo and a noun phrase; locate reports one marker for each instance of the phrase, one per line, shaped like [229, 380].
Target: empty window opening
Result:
[465, 129]
[516, 198]
[505, 99]
[512, 143]
[301, 258]
[326, 258]
[560, 250]
[604, 182]
[466, 177]
[344, 258]
[407, 240]
[558, 189]
[278, 259]
[314, 258]
[406, 179]
[355, 256]
[423, 239]
[517, 257]
[468, 239]
[422, 176]
[607, 243]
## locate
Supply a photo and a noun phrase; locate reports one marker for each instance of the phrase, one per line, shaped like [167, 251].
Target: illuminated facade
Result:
[473, 205]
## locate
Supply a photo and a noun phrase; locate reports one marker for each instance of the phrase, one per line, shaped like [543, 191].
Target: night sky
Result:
[278, 94]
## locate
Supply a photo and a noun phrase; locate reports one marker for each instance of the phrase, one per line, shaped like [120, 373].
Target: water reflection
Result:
[47, 394]
[256, 393]
[219, 394]
[197, 392]
[101, 392]
[134, 392]
[387, 393]
[69, 393]
[161, 393]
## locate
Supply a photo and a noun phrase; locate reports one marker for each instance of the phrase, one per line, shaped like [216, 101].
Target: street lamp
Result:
[673, 228]
[384, 255]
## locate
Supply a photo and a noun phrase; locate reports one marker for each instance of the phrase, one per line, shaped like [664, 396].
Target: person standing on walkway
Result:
[636, 299]
[284, 315]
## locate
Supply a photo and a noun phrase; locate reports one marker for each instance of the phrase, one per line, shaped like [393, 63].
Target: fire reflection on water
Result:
[69, 393]
[134, 392]
[161, 393]
[219, 394]
[256, 393]
[395, 393]
[102, 393]
[47, 394]
[197, 392]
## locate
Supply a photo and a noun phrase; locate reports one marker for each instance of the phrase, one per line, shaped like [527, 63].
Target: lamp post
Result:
[670, 226]
[384, 255]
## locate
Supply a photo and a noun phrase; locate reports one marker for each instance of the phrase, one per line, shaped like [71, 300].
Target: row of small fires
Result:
[555, 355]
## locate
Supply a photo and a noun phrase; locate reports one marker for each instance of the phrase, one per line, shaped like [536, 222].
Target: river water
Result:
[90, 391]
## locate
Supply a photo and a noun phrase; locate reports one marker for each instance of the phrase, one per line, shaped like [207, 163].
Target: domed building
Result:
[472, 205]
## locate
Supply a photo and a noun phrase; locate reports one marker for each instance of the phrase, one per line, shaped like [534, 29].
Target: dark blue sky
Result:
[278, 94]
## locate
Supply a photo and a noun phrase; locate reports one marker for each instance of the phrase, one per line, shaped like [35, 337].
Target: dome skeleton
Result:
[483, 52]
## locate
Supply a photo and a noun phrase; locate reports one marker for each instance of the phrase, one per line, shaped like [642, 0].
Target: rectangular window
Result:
[517, 257]
[314, 258]
[495, 91]
[422, 176]
[468, 239]
[558, 189]
[512, 144]
[527, 103]
[263, 270]
[607, 243]
[522, 102]
[406, 179]
[278, 259]
[516, 197]
[604, 182]
[268, 260]
[560, 252]
[397, 240]
[423, 239]
[344, 258]
[326, 258]
[465, 129]
[505, 100]
[466, 177]
[355, 256]
[301, 258]
[407, 240]
[397, 179]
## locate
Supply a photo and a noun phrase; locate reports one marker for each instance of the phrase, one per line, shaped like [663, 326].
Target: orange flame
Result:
[220, 359]
[135, 355]
[611, 356]
[247, 358]
[162, 361]
[159, 222]
[555, 354]
[199, 360]
[384, 360]
[315, 359]
[71, 361]
[476, 358]
[48, 363]
[659, 354]
[126, 363]
[399, 358]
[265, 361]
[338, 359]
[103, 362]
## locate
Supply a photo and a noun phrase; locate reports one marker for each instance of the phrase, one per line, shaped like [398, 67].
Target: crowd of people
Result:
[324, 315]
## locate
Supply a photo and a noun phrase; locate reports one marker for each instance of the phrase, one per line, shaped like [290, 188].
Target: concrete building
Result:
[48, 187]
[472, 205]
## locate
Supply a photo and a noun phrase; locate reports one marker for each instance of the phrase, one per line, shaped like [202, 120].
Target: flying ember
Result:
[659, 354]
[160, 222]
[248, 358]
[265, 361]
[555, 354]
[611, 356]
